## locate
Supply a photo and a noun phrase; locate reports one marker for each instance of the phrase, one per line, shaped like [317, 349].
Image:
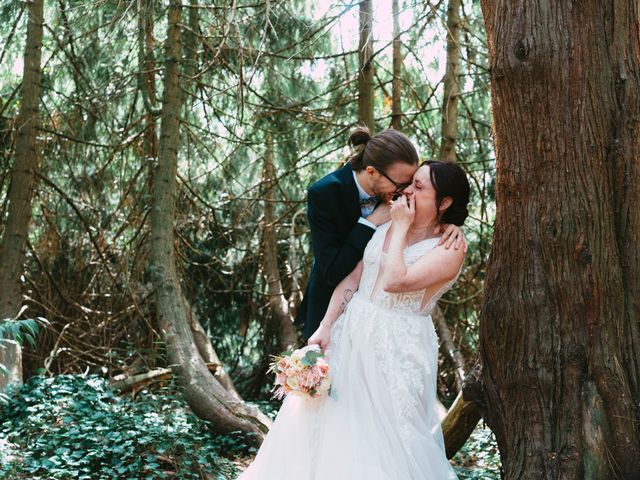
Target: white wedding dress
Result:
[381, 419]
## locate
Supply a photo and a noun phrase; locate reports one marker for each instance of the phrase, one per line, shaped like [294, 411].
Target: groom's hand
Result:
[452, 235]
[382, 214]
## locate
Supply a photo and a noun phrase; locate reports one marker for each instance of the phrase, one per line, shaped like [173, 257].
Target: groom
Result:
[345, 208]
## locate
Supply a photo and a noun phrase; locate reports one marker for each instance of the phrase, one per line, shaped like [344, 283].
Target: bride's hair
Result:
[449, 180]
[381, 150]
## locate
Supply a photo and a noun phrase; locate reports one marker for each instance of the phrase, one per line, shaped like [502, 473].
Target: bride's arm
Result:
[436, 267]
[339, 300]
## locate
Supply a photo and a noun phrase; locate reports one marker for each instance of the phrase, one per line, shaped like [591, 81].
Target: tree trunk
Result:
[560, 330]
[365, 73]
[287, 335]
[204, 394]
[448, 346]
[396, 85]
[146, 75]
[20, 194]
[191, 44]
[451, 84]
[465, 412]
[147, 86]
[208, 353]
[296, 291]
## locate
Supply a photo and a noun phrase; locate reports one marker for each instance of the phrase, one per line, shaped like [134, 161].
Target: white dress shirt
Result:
[365, 210]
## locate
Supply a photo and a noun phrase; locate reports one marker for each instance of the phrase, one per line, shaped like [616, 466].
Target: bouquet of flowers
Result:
[303, 371]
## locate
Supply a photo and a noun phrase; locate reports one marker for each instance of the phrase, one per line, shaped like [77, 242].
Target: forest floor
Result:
[75, 427]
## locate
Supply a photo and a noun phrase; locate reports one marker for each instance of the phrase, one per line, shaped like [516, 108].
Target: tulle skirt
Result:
[381, 420]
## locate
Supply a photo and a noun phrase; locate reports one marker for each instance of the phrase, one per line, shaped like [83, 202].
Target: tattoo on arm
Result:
[348, 293]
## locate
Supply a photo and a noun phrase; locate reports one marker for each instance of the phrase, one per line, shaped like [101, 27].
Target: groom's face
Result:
[397, 175]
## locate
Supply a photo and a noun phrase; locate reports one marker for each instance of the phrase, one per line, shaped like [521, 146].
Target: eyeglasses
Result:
[399, 186]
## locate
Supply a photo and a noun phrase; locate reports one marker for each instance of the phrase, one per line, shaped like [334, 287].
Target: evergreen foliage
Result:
[75, 427]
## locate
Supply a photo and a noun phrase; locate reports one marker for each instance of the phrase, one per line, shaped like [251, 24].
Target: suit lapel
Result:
[351, 197]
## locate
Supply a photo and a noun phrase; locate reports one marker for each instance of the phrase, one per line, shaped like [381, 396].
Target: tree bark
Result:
[451, 84]
[365, 72]
[204, 394]
[560, 333]
[23, 174]
[287, 335]
[396, 85]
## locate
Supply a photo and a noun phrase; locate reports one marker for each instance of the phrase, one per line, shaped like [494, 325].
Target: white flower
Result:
[296, 357]
[310, 348]
[292, 382]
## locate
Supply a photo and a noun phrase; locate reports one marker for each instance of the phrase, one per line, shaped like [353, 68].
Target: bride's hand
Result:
[403, 210]
[320, 337]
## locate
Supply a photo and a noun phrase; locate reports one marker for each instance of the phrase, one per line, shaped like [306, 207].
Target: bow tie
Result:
[370, 201]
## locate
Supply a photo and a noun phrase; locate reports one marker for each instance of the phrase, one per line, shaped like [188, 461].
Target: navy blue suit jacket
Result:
[337, 240]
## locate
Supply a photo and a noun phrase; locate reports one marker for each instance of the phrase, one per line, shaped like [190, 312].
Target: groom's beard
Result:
[380, 195]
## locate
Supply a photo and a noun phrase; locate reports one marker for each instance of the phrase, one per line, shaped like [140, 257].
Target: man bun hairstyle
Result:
[381, 150]
[450, 180]
[359, 137]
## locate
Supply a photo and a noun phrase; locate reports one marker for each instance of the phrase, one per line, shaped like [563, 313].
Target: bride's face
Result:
[425, 194]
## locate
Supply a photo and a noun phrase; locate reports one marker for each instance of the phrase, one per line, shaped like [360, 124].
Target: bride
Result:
[380, 420]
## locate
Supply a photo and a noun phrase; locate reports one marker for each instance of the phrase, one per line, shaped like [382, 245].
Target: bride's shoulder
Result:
[451, 256]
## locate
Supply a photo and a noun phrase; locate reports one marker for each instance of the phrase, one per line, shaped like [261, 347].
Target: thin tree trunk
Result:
[146, 75]
[23, 174]
[287, 335]
[365, 73]
[560, 329]
[147, 85]
[191, 42]
[465, 413]
[204, 394]
[208, 353]
[451, 84]
[396, 86]
[296, 290]
[448, 346]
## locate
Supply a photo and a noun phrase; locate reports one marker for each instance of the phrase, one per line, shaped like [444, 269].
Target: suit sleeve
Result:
[335, 255]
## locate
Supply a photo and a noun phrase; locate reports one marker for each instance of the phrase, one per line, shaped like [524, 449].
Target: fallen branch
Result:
[124, 384]
[464, 414]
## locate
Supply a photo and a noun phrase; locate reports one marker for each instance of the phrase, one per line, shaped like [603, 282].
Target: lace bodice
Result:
[374, 263]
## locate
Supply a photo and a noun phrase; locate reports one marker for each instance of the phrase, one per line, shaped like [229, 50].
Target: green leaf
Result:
[310, 358]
